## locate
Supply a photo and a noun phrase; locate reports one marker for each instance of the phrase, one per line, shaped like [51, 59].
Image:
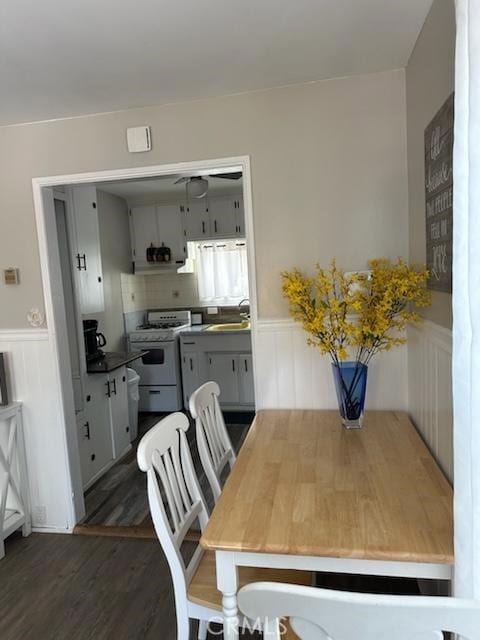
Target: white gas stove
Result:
[159, 369]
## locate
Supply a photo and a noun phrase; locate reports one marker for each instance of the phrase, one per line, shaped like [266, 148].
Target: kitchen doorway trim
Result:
[44, 193]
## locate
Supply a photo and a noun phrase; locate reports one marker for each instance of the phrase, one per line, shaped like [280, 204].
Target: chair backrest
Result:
[174, 496]
[214, 445]
[316, 614]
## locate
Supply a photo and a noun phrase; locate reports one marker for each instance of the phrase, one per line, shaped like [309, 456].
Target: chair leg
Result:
[202, 630]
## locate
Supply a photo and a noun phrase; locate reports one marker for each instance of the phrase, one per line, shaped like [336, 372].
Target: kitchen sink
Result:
[234, 326]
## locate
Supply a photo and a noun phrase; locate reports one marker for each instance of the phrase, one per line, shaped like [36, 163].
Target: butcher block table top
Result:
[304, 485]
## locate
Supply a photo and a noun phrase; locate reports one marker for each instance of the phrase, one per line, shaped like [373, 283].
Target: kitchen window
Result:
[222, 271]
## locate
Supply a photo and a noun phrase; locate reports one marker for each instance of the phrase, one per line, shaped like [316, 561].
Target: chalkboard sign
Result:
[439, 197]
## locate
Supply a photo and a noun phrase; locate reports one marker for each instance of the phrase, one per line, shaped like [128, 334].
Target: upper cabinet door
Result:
[196, 222]
[144, 230]
[169, 224]
[223, 222]
[239, 216]
[87, 258]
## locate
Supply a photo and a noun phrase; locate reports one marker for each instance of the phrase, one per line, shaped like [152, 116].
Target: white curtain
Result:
[466, 301]
[222, 272]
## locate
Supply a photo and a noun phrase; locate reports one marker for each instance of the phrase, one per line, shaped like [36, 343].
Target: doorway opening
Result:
[150, 291]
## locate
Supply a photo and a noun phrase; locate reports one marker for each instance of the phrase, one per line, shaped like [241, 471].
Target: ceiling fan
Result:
[197, 186]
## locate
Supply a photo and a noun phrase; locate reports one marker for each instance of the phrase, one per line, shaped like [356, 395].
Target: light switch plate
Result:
[139, 139]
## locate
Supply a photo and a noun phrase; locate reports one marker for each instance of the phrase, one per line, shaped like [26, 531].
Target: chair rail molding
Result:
[31, 377]
[430, 389]
[292, 375]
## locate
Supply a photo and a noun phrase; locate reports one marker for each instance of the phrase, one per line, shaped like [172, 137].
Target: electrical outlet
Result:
[212, 311]
[39, 515]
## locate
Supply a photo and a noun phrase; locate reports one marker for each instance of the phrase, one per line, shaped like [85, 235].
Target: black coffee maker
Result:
[93, 340]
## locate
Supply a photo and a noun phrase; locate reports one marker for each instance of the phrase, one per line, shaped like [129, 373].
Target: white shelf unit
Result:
[14, 495]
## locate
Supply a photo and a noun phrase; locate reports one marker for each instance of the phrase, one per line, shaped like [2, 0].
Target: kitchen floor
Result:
[117, 503]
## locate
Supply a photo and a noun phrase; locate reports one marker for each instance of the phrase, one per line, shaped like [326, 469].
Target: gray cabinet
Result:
[215, 217]
[196, 221]
[157, 224]
[118, 411]
[225, 359]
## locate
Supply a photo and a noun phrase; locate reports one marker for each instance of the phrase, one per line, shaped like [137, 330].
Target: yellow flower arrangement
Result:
[357, 313]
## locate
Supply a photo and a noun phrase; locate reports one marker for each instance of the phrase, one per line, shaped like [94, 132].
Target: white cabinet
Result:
[223, 368]
[245, 374]
[215, 217]
[103, 428]
[85, 248]
[144, 232]
[157, 224]
[196, 222]
[225, 359]
[118, 410]
[223, 219]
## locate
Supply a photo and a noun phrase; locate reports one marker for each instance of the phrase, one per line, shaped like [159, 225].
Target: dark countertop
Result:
[113, 360]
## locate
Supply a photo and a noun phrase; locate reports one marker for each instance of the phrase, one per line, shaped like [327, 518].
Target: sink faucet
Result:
[245, 315]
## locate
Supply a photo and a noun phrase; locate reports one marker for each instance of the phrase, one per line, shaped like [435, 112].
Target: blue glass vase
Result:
[351, 386]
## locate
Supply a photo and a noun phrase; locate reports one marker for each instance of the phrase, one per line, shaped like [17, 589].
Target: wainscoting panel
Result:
[32, 380]
[430, 389]
[292, 375]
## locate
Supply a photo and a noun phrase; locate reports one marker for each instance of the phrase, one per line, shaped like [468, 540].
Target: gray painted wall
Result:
[328, 167]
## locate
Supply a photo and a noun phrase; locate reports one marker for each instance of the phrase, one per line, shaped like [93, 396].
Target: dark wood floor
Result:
[119, 498]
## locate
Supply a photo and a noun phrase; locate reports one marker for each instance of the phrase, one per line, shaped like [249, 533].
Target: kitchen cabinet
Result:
[245, 372]
[86, 254]
[215, 217]
[224, 367]
[196, 221]
[102, 428]
[225, 359]
[117, 395]
[223, 218]
[157, 224]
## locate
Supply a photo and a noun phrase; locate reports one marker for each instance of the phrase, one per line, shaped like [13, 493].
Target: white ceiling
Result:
[164, 189]
[61, 58]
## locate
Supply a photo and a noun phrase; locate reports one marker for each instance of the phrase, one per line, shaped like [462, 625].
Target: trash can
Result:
[133, 396]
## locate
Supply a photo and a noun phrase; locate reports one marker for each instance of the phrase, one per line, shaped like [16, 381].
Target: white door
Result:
[117, 388]
[87, 256]
[223, 219]
[144, 231]
[195, 219]
[245, 372]
[170, 231]
[239, 216]
[223, 369]
[97, 413]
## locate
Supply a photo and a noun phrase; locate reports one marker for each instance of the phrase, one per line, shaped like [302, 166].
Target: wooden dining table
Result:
[307, 494]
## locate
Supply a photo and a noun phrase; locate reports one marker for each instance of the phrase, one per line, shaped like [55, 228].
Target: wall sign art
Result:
[439, 197]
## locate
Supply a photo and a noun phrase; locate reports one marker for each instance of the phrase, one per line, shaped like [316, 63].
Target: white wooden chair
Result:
[214, 445]
[319, 614]
[164, 455]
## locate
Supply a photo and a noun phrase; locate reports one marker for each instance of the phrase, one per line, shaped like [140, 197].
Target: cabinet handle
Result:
[87, 432]
[203, 226]
[246, 366]
[109, 392]
[215, 225]
[92, 457]
[123, 378]
[79, 265]
[154, 393]
[189, 343]
[83, 257]
[191, 364]
[233, 365]
[114, 386]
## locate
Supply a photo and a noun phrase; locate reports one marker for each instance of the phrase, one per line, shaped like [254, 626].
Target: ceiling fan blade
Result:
[228, 176]
[183, 179]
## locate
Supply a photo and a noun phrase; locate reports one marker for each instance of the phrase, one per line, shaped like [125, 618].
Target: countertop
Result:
[113, 360]
[196, 330]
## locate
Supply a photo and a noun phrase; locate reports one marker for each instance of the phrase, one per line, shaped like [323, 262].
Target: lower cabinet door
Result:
[85, 448]
[223, 369]
[245, 369]
[120, 429]
[190, 376]
[97, 412]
